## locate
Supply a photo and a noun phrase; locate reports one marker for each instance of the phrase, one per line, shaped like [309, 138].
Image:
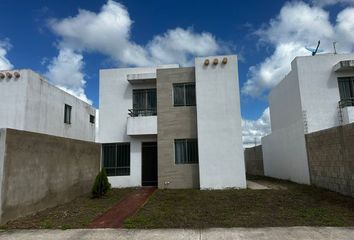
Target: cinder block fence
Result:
[39, 171]
[330, 155]
[331, 158]
[254, 160]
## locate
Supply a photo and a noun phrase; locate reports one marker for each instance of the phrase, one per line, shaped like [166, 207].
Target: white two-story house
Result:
[29, 102]
[318, 93]
[173, 127]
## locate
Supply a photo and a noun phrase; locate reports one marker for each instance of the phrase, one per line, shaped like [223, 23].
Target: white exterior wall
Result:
[221, 160]
[30, 103]
[285, 102]
[134, 179]
[116, 97]
[284, 150]
[319, 89]
[284, 154]
[2, 162]
[305, 101]
[13, 94]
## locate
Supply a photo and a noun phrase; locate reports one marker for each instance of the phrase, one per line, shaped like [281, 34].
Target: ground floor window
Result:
[186, 151]
[116, 158]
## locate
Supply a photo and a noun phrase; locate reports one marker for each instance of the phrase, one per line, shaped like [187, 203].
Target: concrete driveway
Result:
[291, 233]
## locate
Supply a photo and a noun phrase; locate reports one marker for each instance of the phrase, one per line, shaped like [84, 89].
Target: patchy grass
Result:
[289, 205]
[75, 214]
[294, 205]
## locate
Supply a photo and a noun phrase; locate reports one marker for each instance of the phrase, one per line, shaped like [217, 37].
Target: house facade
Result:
[317, 94]
[29, 102]
[173, 127]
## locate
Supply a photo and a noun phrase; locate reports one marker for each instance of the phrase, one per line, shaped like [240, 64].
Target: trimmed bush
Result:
[101, 185]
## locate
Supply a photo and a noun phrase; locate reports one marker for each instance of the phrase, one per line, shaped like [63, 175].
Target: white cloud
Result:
[106, 32]
[273, 69]
[65, 71]
[254, 130]
[5, 63]
[289, 33]
[180, 45]
[324, 3]
[345, 27]
[109, 32]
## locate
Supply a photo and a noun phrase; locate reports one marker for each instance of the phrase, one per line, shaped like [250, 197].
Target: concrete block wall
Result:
[254, 160]
[331, 158]
[39, 171]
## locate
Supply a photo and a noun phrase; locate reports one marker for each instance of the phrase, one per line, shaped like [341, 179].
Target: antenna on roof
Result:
[315, 51]
[334, 47]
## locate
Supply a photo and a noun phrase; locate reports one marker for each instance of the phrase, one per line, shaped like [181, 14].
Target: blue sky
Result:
[69, 46]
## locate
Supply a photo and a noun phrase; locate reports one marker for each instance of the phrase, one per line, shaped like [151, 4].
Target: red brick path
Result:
[115, 216]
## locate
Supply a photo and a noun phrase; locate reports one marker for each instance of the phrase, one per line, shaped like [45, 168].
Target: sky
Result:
[68, 41]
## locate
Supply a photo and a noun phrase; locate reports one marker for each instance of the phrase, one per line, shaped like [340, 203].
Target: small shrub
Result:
[101, 185]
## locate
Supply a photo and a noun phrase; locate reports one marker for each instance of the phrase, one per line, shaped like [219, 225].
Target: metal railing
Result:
[142, 112]
[349, 102]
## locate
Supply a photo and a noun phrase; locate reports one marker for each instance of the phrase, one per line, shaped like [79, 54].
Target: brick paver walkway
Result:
[115, 216]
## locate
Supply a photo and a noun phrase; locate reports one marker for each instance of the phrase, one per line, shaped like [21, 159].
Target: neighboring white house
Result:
[317, 94]
[28, 102]
[173, 127]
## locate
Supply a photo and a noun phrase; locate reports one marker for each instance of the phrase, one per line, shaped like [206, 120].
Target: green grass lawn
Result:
[290, 205]
[298, 205]
[75, 214]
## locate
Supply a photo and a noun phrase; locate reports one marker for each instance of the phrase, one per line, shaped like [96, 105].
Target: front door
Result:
[149, 164]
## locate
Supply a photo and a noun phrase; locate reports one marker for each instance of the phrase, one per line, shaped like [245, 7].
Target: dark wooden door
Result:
[149, 164]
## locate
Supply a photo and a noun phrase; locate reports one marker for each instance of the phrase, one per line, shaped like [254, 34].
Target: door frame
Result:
[142, 143]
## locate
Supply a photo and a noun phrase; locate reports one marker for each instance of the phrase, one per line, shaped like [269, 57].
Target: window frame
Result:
[122, 168]
[185, 98]
[346, 102]
[145, 110]
[67, 113]
[187, 153]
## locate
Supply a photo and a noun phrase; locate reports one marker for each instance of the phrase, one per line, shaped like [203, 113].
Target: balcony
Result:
[142, 112]
[346, 110]
[142, 122]
[344, 66]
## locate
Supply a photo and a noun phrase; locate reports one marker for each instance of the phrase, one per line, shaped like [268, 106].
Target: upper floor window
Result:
[346, 91]
[184, 94]
[144, 102]
[67, 114]
[92, 119]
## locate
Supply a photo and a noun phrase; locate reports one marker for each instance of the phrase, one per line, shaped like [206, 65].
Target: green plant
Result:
[101, 185]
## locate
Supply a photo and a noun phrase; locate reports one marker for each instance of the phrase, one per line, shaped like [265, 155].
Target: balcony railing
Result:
[139, 112]
[346, 103]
